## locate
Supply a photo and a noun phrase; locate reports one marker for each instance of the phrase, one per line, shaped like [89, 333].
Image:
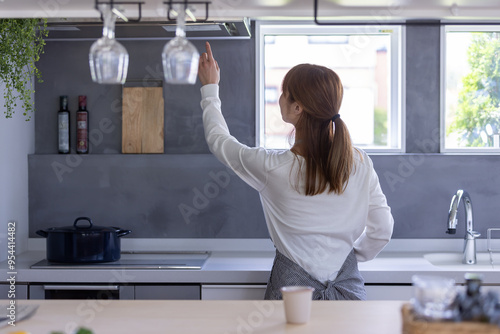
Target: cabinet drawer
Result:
[233, 292]
[16, 291]
[165, 292]
[389, 292]
[80, 291]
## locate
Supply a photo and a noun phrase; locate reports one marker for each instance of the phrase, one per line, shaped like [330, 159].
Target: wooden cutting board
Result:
[142, 123]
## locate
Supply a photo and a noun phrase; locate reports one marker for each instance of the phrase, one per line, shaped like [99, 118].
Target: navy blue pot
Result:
[83, 243]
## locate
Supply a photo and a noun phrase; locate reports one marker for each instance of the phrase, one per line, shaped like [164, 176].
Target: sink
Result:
[453, 261]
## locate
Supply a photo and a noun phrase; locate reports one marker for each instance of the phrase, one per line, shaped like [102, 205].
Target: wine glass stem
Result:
[109, 18]
[180, 31]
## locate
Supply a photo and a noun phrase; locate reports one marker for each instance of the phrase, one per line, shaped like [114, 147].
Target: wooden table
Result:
[221, 317]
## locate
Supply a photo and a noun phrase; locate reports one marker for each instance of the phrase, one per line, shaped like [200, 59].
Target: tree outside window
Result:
[476, 118]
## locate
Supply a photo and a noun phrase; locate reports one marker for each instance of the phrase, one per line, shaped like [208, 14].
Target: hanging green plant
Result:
[21, 43]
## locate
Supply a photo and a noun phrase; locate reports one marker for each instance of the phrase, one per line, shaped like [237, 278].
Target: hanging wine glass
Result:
[180, 57]
[108, 59]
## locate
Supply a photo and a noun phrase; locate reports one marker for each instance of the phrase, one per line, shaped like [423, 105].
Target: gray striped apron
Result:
[349, 285]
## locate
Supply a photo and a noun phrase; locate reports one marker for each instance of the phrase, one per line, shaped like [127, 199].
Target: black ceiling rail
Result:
[112, 4]
[186, 3]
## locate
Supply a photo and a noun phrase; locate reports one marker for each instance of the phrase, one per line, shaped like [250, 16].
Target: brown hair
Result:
[325, 145]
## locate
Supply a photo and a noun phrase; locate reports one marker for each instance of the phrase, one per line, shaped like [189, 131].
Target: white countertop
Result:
[245, 267]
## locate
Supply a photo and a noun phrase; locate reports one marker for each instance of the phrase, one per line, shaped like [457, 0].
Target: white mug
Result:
[297, 301]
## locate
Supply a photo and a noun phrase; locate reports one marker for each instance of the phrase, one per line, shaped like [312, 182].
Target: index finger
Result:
[209, 51]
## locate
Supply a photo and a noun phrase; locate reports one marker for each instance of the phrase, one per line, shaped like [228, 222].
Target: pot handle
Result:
[42, 233]
[83, 218]
[120, 232]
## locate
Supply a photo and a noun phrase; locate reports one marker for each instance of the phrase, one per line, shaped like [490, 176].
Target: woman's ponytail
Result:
[325, 141]
[341, 157]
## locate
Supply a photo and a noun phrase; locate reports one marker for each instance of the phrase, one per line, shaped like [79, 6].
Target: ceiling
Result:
[375, 10]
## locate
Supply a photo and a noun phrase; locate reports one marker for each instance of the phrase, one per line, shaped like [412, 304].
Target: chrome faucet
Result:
[470, 234]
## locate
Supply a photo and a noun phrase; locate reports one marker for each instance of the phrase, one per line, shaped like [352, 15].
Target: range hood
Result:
[91, 30]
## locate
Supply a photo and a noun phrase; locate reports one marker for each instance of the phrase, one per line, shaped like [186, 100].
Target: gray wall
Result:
[422, 88]
[65, 71]
[184, 193]
[153, 194]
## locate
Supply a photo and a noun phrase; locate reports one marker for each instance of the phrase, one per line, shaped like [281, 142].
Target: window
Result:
[368, 60]
[470, 92]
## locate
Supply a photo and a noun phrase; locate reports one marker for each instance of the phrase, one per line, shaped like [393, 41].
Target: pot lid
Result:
[80, 226]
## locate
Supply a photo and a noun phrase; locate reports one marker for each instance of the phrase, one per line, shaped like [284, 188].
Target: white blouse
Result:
[316, 232]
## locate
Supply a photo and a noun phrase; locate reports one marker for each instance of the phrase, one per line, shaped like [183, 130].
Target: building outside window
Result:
[368, 60]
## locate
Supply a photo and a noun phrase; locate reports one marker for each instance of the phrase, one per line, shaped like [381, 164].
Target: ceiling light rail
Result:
[114, 5]
[188, 11]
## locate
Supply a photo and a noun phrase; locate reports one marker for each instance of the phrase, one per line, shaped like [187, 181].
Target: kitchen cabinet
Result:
[495, 288]
[232, 292]
[484, 288]
[168, 292]
[402, 292]
[405, 292]
[20, 291]
[80, 291]
[388, 292]
[231, 276]
[115, 291]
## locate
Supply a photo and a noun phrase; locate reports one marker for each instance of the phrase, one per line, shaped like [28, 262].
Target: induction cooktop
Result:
[138, 260]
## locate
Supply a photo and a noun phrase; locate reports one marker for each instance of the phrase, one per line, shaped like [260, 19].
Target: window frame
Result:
[396, 122]
[442, 115]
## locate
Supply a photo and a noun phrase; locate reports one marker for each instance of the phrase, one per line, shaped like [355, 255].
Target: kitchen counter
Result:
[239, 267]
[120, 316]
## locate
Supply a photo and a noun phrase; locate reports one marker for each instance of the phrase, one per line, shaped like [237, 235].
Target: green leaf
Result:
[83, 330]
[21, 43]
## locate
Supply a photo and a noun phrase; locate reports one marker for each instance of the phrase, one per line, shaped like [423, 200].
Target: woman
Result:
[322, 201]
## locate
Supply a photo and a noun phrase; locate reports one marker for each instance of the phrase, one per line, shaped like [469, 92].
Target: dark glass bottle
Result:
[63, 125]
[82, 126]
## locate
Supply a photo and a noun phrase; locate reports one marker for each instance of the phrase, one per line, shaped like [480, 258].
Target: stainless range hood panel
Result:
[149, 30]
